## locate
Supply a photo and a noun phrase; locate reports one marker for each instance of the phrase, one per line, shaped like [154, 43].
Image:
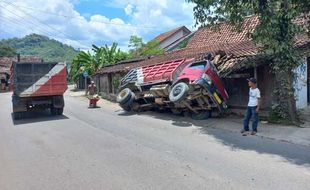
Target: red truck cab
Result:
[204, 73]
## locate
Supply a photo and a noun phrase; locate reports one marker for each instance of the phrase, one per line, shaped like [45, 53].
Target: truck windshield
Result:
[199, 65]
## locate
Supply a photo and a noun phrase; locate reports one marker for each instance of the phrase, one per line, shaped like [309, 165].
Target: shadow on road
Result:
[296, 154]
[35, 117]
[176, 120]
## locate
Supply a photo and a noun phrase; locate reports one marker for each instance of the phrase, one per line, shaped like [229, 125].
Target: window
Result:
[199, 65]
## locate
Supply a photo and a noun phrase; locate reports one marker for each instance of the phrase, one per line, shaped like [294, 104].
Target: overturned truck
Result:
[38, 86]
[183, 85]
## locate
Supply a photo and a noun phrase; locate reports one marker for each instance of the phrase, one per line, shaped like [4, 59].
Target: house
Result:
[236, 57]
[169, 41]
[172, 38]
[5, 65]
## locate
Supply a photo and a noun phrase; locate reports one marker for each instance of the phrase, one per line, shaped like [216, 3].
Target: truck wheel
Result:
[17, 115]
[60, 111]
[126, 108]
[135, 106]
[201, 115]
[123, 96]
[176, 111]
[130, 100]
[54, 111]
[178, 92]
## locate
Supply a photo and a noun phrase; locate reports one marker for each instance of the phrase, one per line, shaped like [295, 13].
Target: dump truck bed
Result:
[164, 71]
[38, 79]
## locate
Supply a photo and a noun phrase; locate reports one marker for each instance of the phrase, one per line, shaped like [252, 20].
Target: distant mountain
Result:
[41, 46]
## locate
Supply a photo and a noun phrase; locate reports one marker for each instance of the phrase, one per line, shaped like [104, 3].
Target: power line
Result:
[52, 28]
[78, 18]
[38, 27]
[43, 30]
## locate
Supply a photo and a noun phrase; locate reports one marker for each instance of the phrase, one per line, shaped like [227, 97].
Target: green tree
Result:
[6, 51]
[135, 43]
[82, 62]
[92, 61]
[41, 46]
[151, 48]
[139, 48]
[275, 32]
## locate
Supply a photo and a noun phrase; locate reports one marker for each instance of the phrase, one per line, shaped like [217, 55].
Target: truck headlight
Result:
[207, 78]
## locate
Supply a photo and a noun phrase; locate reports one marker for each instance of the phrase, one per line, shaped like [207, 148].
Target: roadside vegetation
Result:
[276, 34]
[98, 57]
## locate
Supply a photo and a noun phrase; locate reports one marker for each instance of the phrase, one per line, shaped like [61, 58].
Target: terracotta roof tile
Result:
[4, 70]
[207, 40]
[225, 35]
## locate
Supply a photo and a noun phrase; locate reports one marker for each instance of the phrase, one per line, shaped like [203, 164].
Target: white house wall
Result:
[300, 85]
[172, 39]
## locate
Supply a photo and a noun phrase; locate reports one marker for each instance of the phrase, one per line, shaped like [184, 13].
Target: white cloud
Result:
[149, 18]
[71, 28]
[128, 9]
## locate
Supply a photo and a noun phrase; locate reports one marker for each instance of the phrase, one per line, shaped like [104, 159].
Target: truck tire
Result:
[123, 96]
[60, 111]
[201, 115]
[176, 111]
[178, 92]
[54, 111]
[126, 108]
[57, 111]
[17, 115]
[130, 100]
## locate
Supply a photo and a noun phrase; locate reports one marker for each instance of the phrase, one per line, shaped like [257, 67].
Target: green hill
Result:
[41, 46]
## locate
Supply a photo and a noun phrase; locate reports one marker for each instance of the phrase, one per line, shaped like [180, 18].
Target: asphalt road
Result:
[106, 148]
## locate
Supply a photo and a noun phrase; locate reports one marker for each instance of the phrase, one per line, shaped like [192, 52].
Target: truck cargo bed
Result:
[38, 79]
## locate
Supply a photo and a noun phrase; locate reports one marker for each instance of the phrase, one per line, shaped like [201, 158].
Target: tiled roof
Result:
[225, 36]
[207, 40]
[243, 49]
[7, 61]
[4, 70]
[164, 36]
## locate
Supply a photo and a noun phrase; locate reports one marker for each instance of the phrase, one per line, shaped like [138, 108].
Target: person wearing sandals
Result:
[252, 108]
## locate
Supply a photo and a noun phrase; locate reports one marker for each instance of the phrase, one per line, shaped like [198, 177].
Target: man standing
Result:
[253, 108]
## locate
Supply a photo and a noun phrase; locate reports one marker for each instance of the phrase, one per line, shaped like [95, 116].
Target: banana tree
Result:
[91, 62]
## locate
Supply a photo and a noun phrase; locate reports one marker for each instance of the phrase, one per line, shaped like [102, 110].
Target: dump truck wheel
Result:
[176, 111]
[60, 111]
[123, 96]
[53, 111]
[178, 92]
[201, 115]
[130, 100]
[126, 108]
[17, 115]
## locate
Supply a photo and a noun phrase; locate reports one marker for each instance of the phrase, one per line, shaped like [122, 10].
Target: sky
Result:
[81, 23]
